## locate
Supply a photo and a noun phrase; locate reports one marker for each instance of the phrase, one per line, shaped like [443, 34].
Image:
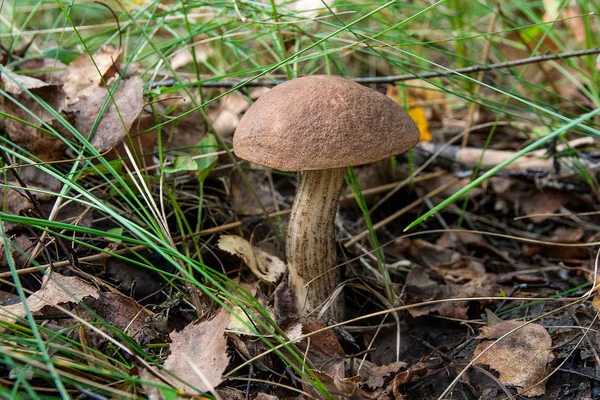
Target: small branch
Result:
[398, 78]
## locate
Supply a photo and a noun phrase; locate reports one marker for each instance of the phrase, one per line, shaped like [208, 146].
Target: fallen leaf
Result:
[26, 128]
[14, 202]
[122, 312]
[20, 247]
[324, 349]
[119, 116]
[198, 355]
[449, 240]
[224, 121]
[264, 396]
[422, 288]
[49, 70]
[243, 201]
[522, 358]
[374, 376]
[467, 270]
[185, 131]
[144, 137]
[546, 202]
[563, 234]
[236, 102]
[284, 305]
[327, 355]
[241, 323]
[57, 290]
[88, 72]
[432, 255]
[184, 57]
[266, 267]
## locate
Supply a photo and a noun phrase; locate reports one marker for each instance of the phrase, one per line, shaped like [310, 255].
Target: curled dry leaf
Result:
[199, 355]
[266, 267]
[25, 128]
[522, 358]
[264, 396]
[57, 290]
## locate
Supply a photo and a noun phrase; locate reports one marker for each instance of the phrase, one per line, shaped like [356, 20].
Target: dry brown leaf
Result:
[29, 135]
[36, 177]
[184, 57]
[240, 322]
[430, 254]
[231, 394]
[185, 131]
[116, 121]
[122, 312]
[422, 288]
[20, 247]
[49, 70]
[144, 137]
[86, 72]
[324, 349]
[57, 290]
[235, 101]
[13, 201]
[224, 121]
[373, 375]
[327, 355]
[243, 201]
[266, 267]
[449, 240]
[264, 396]
[284, 305]
[16, 84]
[545, 202]
[522, 358]
[198, 355]
[563, 234]
[463, 271]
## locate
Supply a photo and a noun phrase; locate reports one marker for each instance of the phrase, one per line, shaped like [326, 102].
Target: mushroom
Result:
[320, 125]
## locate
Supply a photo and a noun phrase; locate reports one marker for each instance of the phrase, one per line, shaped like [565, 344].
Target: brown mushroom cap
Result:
[322, 122]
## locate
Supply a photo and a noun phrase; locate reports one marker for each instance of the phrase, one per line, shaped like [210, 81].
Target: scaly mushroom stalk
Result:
[310, 247]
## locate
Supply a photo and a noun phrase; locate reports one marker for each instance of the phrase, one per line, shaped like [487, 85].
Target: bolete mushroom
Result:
[320, 125]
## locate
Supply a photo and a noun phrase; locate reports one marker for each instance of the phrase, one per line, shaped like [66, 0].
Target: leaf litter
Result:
[363, 360]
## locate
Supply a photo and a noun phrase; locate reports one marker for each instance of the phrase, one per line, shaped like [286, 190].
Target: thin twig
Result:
[398, 78]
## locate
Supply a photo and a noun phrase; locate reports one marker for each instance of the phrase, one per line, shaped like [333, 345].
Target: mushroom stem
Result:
[311, 250]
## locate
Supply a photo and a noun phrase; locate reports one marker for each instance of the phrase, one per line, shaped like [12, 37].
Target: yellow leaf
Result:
[416, 112]
[418, 115]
